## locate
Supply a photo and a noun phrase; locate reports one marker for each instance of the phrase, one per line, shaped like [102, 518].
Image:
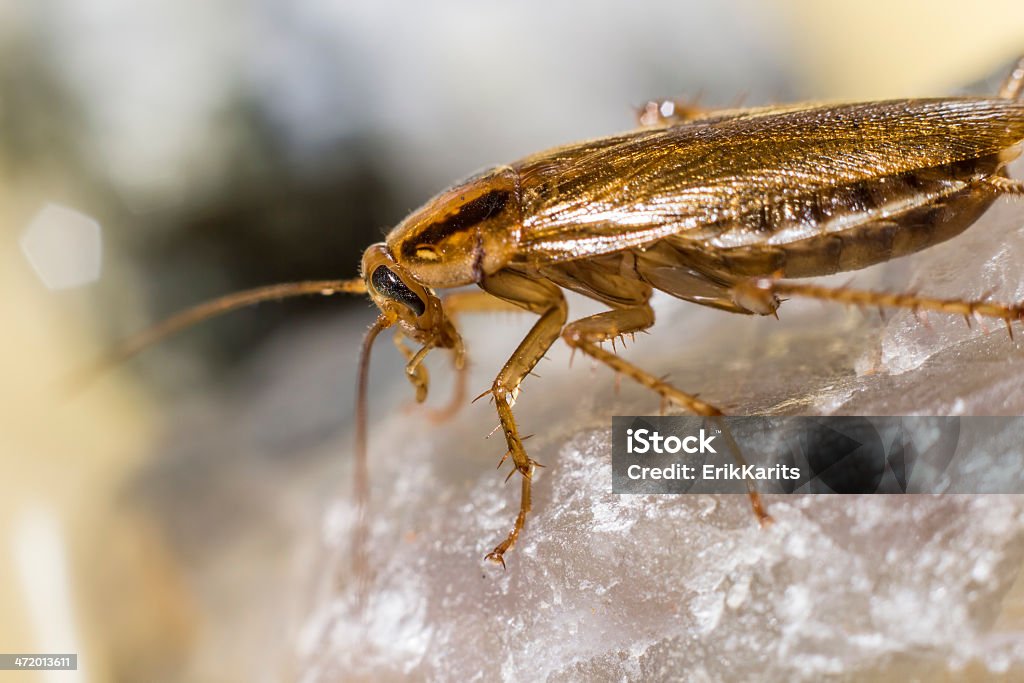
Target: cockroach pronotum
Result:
[721, 208]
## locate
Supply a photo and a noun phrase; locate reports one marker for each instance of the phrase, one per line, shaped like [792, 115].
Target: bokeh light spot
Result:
[64, 247]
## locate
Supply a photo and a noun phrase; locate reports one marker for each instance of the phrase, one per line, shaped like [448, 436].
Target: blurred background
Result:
[158, 153]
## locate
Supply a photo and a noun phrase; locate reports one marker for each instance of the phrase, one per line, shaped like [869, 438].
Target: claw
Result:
[496, 557]
[764, 519]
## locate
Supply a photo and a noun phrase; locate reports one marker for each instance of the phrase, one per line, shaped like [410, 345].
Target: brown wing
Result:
[702, 180]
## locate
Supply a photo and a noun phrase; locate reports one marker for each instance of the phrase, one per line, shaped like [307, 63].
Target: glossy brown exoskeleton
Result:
[713, 207]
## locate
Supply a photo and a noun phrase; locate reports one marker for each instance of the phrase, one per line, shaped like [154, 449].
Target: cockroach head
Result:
[402, 299]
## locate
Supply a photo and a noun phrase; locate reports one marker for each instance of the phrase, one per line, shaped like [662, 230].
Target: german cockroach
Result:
[715, 207]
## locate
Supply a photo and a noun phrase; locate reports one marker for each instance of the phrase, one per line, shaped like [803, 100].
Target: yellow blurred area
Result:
[875, 49]
[79, 573]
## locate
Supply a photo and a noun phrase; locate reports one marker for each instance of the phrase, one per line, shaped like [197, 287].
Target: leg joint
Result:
[572, 336]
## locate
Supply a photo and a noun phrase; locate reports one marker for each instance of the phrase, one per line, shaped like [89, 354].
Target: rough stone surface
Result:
[605, 587]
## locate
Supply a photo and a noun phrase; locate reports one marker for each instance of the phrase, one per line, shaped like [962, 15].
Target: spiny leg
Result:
[1004, 185]
[767, 288]
[763, 518]
[1012, 89]
[585, 334]
[1013, 86]
[545, 299]
[454, 305]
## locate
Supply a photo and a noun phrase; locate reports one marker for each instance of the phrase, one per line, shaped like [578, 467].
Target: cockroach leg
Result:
[414, 369]
[664, 113]
[546, 299]
[586, 333]
[756, 504]
[1013, 86]
[468, 301]
[976, 308]
[1004, 185]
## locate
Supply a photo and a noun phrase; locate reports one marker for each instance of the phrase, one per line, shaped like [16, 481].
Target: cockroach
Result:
[720, 208]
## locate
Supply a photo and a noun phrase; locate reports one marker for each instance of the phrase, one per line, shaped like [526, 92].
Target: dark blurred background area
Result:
[231, 145]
